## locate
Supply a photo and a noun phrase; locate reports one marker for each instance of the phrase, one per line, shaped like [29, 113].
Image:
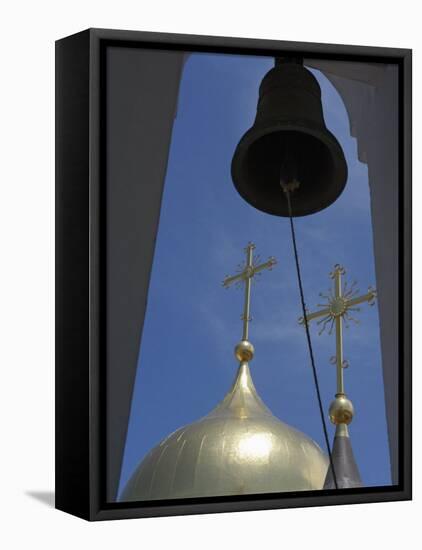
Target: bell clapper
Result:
[290, 186]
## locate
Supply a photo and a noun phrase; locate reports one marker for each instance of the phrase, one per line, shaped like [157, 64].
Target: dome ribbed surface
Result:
[239, 448]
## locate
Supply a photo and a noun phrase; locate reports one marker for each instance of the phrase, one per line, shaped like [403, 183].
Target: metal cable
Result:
[308, 336]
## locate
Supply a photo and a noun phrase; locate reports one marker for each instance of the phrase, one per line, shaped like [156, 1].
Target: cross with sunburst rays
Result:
[246, 273]
[340, 301]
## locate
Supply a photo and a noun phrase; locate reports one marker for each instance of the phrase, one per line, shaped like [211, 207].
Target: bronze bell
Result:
[289, 142]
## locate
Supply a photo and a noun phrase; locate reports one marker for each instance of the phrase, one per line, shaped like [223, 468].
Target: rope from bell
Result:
[288, 189]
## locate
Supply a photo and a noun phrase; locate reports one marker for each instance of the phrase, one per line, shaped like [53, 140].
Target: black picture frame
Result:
[81, 278]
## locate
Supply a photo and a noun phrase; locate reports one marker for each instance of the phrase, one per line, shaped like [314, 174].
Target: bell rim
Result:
[261, 129]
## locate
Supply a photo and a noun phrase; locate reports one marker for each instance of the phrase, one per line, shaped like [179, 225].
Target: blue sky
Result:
[186, 362]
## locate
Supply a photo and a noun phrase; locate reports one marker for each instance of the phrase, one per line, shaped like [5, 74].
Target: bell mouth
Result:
[312, 156]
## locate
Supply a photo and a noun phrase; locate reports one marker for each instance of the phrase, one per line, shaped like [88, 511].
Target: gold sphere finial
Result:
[341, 410]
[244, 351]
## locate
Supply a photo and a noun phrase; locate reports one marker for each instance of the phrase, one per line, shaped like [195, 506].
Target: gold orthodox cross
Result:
[340, 302]
[247, 272]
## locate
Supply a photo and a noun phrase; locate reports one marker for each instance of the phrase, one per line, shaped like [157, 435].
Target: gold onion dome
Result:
[240, 447]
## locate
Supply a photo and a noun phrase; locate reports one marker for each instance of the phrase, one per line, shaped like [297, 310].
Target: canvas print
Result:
[266, 357]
